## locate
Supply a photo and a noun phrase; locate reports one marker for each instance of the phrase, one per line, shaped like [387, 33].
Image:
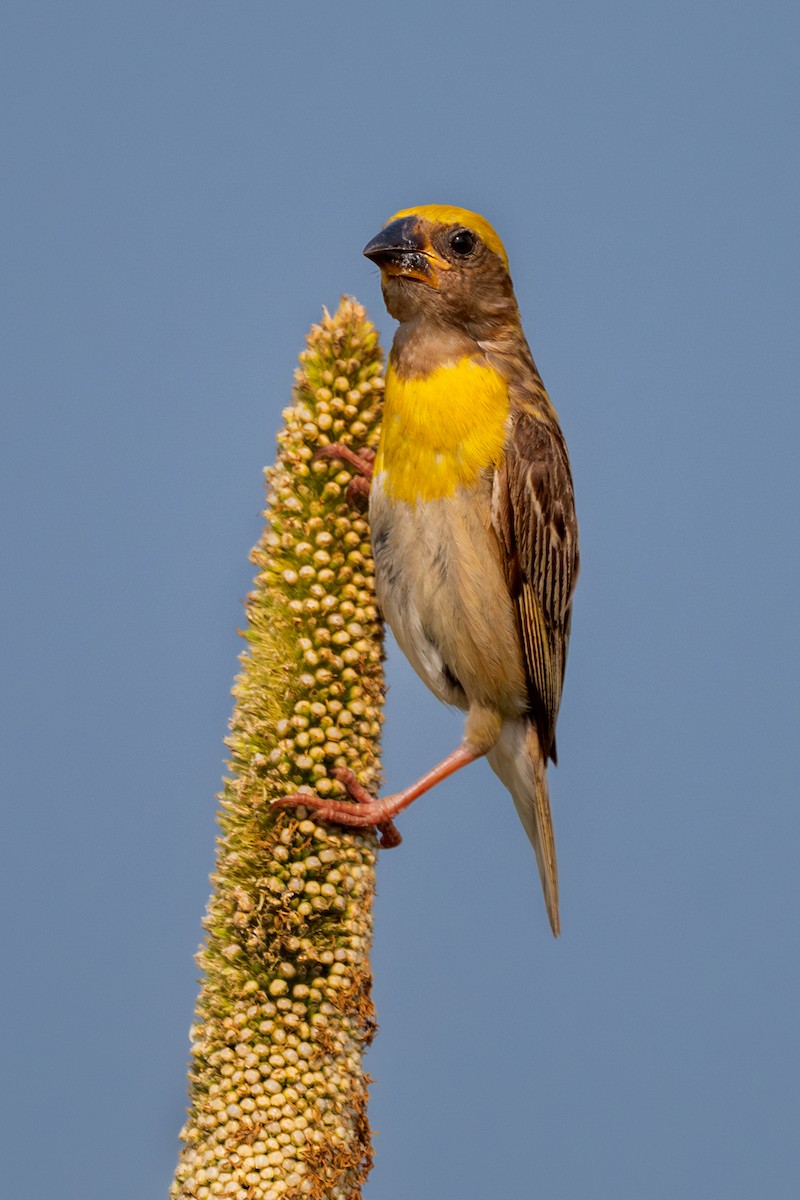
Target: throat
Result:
[441, 430]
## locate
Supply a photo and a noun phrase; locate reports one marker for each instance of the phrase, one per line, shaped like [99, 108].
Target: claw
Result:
[389, 835]
[360, 460]
[366, 811]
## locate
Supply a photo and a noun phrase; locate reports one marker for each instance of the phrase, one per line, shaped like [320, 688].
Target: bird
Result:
[472, 517]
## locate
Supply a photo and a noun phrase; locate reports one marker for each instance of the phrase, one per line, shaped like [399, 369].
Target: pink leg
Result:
[369, 810]
[361, 461]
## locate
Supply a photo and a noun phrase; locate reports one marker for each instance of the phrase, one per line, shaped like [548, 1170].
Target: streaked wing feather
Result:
[534, 517]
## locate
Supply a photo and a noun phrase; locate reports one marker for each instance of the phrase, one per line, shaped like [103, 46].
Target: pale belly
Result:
[443, 593]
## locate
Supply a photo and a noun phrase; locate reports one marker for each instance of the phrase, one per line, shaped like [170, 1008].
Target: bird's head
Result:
[443, 263]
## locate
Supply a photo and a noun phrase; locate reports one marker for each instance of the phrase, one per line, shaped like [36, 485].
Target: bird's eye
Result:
[462, 242]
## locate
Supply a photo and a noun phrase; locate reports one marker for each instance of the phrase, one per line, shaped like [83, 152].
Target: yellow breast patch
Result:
[441, 430]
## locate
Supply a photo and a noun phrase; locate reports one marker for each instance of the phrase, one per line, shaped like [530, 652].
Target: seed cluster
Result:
[277, 1088]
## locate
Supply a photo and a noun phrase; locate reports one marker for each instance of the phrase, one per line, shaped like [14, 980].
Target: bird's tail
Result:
[517, 759]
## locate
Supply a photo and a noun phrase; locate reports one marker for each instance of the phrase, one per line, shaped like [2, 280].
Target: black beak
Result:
[400, 249]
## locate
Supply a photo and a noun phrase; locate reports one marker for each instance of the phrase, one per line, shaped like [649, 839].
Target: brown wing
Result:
[534, 518]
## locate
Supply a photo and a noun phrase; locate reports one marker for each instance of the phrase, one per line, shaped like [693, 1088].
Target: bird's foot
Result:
[360, 460]
[368, 809]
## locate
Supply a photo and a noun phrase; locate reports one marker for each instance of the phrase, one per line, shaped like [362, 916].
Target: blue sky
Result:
[184, 185]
